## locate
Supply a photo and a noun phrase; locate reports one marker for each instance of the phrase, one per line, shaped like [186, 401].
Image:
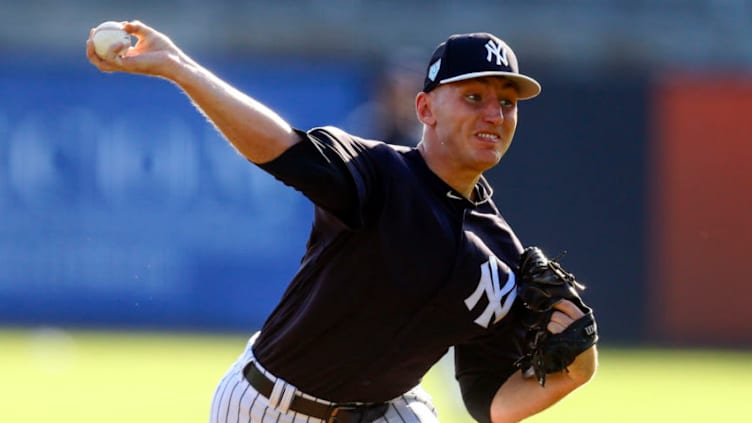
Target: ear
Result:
[423, 109]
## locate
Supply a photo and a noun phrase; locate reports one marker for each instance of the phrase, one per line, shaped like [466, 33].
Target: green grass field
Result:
[83, 376]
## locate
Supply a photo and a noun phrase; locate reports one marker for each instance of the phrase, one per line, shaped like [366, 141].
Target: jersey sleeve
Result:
[483, 365]
[330, 168]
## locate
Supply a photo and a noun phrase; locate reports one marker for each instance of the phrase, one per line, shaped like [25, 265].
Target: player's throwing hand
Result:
[154, 53]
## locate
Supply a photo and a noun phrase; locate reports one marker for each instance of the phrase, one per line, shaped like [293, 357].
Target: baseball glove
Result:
[541, 284]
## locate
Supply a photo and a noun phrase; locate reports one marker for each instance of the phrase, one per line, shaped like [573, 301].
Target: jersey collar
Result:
[483, 190]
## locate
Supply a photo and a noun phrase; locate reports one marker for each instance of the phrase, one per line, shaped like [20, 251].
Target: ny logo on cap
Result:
[498, 51]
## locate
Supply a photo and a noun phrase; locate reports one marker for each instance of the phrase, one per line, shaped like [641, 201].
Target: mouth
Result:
[488, 136]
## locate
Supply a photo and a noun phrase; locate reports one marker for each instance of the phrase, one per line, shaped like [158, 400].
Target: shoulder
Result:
[368, 156]
[337, 137]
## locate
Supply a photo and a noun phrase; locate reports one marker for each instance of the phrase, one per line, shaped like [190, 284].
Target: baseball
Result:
[109, 34]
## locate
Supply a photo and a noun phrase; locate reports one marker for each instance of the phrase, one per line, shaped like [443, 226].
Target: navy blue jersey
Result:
[398, 268]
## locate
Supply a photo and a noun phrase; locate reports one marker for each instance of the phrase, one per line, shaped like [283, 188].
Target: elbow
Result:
[520, 397]
[584, 367]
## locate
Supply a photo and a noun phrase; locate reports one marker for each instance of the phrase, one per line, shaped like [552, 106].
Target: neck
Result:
[461, 180]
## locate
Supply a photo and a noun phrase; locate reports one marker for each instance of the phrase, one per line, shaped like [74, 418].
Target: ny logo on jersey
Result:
[496, 50]
[500, 298]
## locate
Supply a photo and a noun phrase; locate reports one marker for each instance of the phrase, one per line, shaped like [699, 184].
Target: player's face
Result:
[476, 120]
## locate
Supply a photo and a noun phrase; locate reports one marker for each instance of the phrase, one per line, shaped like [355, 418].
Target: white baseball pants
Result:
[236, 401]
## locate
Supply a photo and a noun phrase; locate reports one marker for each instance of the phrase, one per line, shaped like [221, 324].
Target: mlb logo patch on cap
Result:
[434, 70]
[466, 56]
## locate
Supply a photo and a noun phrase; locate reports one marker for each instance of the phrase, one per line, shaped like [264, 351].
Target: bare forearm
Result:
[519, 398]
[256, 131]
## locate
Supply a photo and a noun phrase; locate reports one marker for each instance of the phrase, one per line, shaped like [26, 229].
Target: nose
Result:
[493, 112]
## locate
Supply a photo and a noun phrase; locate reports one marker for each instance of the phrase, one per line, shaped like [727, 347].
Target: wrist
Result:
[182, 70]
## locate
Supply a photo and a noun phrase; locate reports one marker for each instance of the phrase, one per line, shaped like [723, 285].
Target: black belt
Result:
[330, 413]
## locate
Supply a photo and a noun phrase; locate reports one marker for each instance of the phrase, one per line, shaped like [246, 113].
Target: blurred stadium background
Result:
[122, 212]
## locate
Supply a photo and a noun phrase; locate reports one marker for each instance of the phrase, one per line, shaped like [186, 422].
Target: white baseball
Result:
[109, 34]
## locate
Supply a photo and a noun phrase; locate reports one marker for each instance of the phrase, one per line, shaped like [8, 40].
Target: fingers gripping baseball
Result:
[153, 54]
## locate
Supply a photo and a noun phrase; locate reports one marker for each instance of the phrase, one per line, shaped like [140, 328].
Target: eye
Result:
[475, 98]
[506, 103]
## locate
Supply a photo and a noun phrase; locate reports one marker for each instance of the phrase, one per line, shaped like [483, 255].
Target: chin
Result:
[489, 160]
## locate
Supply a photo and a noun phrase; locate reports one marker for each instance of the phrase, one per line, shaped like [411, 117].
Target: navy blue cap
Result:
[476, 55]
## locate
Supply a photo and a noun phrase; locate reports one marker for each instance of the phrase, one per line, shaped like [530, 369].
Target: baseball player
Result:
[408, 255]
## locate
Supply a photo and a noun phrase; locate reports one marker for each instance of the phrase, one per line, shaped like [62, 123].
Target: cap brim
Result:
[527, 87]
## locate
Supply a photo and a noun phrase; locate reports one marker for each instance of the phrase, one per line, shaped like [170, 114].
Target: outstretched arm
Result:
[256, 131]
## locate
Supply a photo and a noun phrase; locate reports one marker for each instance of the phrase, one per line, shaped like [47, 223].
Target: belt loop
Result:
[287, 396]
[282, 395]
[276, 396]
